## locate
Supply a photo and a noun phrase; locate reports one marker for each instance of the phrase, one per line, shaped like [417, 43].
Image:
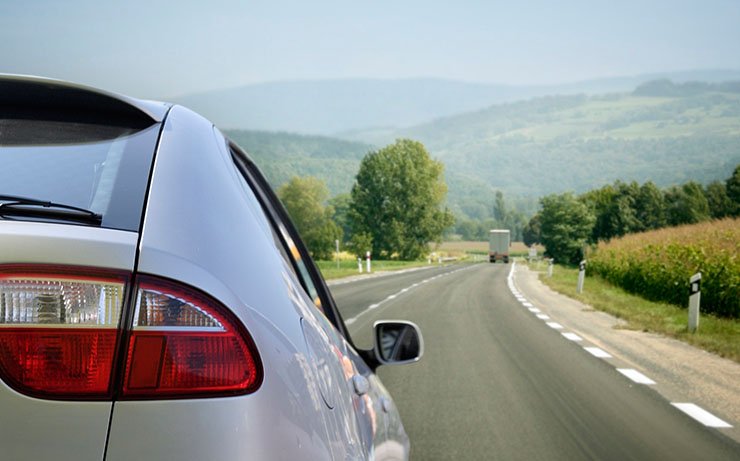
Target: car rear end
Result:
[137, 278]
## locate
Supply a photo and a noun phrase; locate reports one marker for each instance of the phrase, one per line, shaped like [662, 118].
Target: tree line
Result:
[394, 210]
[567, 223]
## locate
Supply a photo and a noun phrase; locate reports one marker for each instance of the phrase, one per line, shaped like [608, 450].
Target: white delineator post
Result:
[694, 300]
[336, 242]
[367, 254]
[581, 276]
[550, 262]
[359, 265]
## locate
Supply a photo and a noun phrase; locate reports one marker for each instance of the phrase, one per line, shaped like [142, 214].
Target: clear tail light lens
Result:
[185, 344]
[59, 330]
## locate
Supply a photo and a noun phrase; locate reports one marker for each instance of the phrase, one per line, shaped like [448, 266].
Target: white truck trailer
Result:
[498, 245]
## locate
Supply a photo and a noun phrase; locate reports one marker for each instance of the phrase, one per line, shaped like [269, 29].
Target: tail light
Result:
[184, 344]
[60, 332]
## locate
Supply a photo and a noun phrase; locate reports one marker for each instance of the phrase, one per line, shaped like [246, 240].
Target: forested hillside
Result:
[281, 156]
[662, 132]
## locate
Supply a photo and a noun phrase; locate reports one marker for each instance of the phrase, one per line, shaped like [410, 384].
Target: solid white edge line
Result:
[636, 376]
[572, 336]
[597, 352]
[701, 415]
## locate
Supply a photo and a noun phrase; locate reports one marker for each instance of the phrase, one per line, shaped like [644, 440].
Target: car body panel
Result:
[229, 253]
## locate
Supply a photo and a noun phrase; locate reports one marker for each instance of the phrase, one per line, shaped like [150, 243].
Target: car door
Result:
[360, 405]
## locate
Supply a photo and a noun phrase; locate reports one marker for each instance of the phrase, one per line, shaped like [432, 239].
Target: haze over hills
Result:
[664, 132]
[331, 107]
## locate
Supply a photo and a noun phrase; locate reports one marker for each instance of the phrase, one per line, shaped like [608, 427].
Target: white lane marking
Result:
[701, 415]
[572, 336]
[600, 353]
[534, 310]
[635, 376]
[555, 325]
[543, 317]
[527, 304]
[352, 320]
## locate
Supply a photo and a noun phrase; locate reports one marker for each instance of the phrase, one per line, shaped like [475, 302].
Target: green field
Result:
[657, 265]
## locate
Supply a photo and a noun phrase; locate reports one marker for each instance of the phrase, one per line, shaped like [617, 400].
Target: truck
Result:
[498, 245]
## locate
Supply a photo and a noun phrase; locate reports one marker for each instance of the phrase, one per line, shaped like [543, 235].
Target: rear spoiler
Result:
[36, 98]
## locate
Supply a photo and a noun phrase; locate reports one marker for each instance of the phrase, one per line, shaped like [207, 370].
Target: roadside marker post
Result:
[359, 265]
[694, 301]
[581, 276]
[550, 262]
[336, 242]
[367, 254]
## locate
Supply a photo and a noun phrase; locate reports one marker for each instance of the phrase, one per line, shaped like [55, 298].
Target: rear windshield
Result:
[104, 169]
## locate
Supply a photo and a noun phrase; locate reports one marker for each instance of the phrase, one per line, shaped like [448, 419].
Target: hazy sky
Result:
[156, 48]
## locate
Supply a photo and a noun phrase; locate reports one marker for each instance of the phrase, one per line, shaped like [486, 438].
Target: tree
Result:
[397, 199]
[733, 190]
[532, 231]
[614, 209]
[304, 198]
[340, 203]
[720, 204]
[650, 207]
[566, 224]
[499, 207]
[686, 204]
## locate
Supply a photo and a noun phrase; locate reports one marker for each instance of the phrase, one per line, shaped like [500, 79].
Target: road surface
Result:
[496, 382]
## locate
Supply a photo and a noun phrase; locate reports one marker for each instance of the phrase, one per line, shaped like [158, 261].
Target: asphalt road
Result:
[498, 383]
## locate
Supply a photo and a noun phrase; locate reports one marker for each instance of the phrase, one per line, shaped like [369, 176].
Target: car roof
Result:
[26, 93]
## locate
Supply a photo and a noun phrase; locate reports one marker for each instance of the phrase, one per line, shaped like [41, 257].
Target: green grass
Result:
[348, 267]
[718, 335]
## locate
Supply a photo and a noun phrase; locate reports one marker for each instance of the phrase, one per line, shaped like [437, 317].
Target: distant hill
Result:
[329, 107]
[281, 156]
[544, 145]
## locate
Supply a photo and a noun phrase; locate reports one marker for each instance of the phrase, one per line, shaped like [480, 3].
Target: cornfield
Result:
[657, 265]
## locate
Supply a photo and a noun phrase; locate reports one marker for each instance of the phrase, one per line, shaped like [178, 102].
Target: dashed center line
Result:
[352, 320]
[636, 376]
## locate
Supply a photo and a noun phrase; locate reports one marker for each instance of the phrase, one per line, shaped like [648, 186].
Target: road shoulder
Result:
[683, 373]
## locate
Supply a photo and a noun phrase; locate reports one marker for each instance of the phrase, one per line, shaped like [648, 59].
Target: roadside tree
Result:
[304, 199]
[566, 224]
[397, 200]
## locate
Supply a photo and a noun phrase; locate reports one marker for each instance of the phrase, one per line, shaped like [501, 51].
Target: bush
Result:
[657, 265]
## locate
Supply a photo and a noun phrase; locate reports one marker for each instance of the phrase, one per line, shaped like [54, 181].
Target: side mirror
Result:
[397, 342]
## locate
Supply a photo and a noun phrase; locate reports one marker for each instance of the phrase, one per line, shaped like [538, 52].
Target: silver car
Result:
[157, 303]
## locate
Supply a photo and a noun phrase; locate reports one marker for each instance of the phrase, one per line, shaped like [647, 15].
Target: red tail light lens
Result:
[185, 344]
[58, 331]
